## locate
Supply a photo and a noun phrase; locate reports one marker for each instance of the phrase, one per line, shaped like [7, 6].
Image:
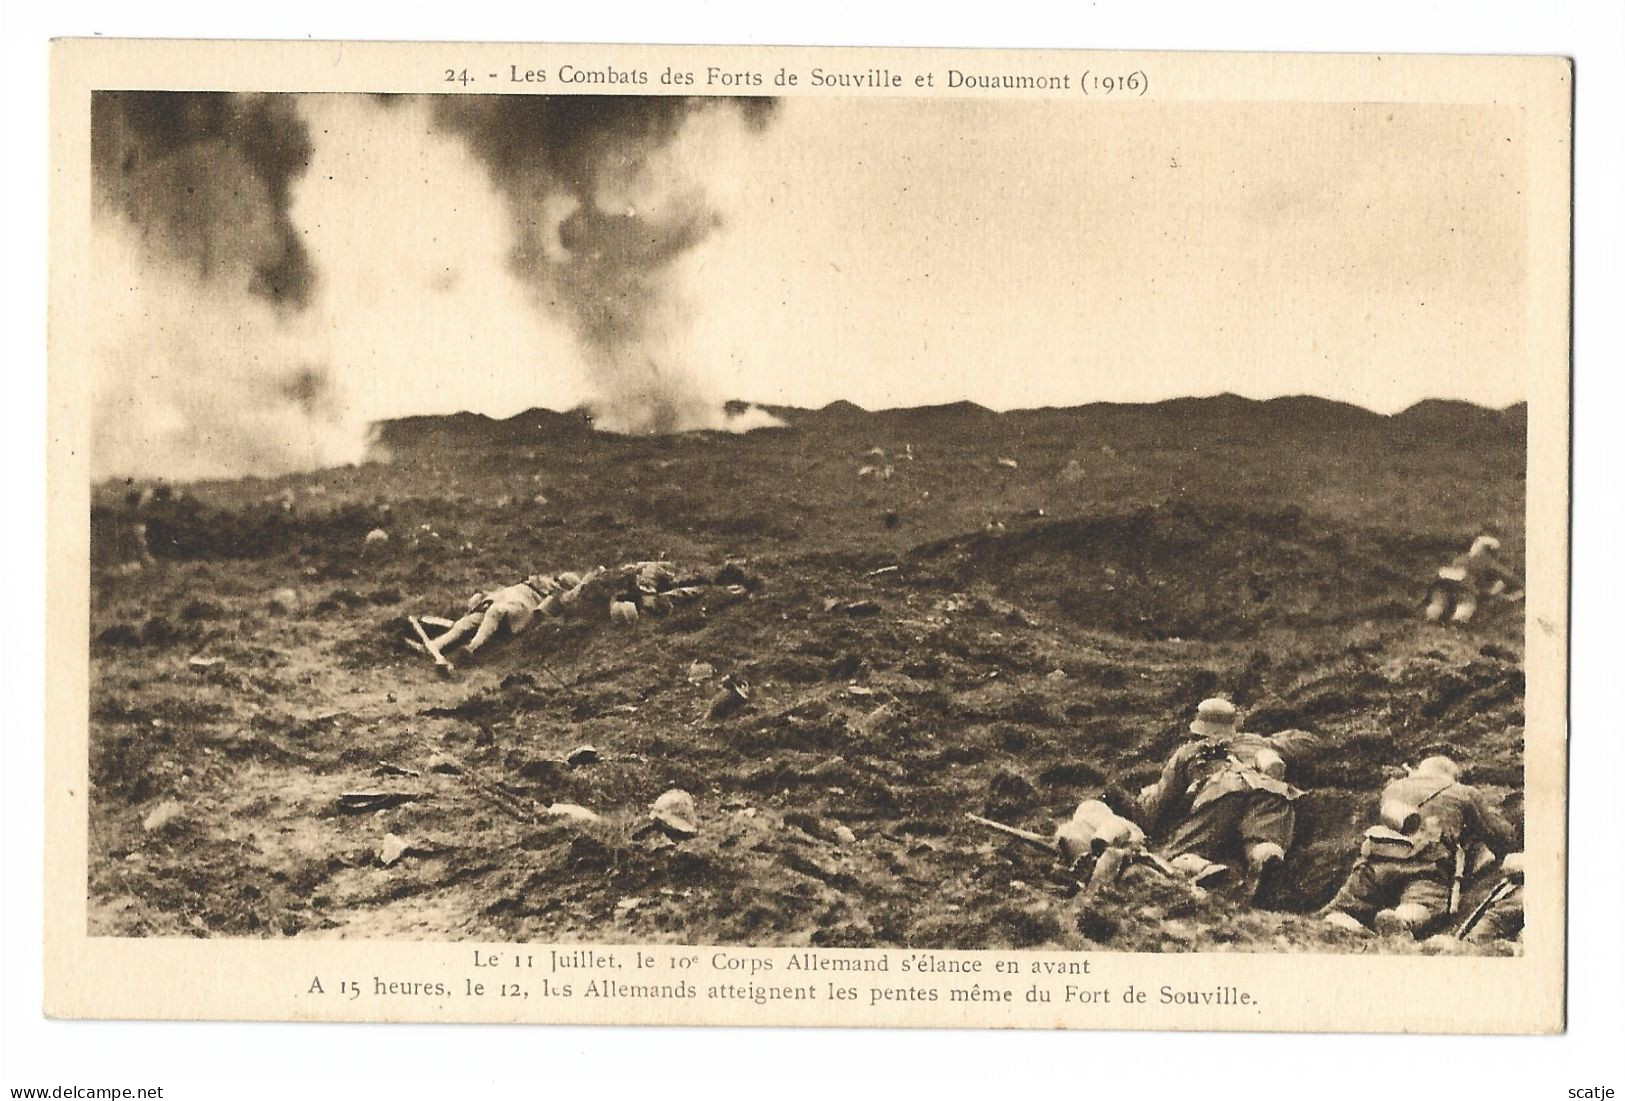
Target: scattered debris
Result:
[392, 849]
[284, 601]
[863, 608]
[207, 666]
[582, 755]
[376, 537]
[162, 815]
[735, 695]
[844, 835]
[627, 905]
[575, 812]
[882, 571]
[363, 802]
[623, 611]
[674, 815]
[1010, 464]
[701, 671]
[384, 768]
[515, 806]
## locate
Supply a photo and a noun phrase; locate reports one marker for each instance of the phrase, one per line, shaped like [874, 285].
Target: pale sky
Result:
[1015, 254]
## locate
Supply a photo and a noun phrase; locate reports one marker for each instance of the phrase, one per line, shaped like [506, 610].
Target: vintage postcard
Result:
[790, 536]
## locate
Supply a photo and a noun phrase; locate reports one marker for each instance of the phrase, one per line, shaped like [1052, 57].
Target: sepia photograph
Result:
[925, 524]
[699, 535]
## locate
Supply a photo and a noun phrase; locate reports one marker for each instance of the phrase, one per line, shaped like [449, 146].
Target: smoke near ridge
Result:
[274, 271]
[605, 194]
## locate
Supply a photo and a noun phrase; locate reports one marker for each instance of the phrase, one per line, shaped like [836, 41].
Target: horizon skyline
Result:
[279, 269]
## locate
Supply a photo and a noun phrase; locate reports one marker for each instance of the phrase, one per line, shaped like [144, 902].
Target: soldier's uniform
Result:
[1096, 841]
[508, 610]
[1406, 871]
[1458, 587]
[1224, 799]
[1502, 920]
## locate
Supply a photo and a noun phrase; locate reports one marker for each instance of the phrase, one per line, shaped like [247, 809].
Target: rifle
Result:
[1457, 875]
[1497, 893]
[428, 644]
[1039, 841]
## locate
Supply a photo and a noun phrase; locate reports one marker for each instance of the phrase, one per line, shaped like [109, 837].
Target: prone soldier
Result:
[1434, 834]
[1458, 587]
[1222, 799]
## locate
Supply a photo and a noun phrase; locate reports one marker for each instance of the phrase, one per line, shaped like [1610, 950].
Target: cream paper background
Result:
[107, 977]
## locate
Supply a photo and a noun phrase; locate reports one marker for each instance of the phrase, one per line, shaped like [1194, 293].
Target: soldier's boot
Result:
[1435, 608]
[1465, 607]
[1263, 859]
[1337, 919]
[1199, 870]
[1401, 920]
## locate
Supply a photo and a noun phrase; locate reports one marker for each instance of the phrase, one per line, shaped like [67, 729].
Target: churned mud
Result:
[1001, 615]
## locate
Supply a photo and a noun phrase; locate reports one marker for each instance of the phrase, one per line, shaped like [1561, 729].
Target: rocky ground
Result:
[1003, 614]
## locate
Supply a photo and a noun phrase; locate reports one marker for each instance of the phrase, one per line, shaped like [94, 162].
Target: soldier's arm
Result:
[1107, 868]
[1170, 785]
[1492, 827]
[1505, 573]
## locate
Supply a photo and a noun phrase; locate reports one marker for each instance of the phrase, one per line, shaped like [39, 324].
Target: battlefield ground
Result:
[1003, 614]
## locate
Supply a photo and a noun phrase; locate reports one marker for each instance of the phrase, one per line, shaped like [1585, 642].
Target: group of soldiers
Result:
[630, 591]
[1223, 809]
[1224, 814]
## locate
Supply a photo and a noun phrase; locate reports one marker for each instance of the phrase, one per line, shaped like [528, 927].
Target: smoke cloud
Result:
[275, 272]
[203, 362]
[606, 193]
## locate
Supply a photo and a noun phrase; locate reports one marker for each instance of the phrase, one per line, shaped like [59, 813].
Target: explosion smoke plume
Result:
[204, 366]
[606, 193]
[275, 272]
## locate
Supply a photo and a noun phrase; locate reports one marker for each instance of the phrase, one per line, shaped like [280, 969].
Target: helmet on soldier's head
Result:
[1440, 766]
[1215, 718]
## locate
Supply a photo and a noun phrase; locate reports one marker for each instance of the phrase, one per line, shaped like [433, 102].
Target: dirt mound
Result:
[1016, 642]
[1181, 571]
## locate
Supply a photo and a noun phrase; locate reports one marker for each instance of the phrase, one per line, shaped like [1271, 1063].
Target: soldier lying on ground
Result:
[508, 611]
[1223, 799]
[1435, 833]
[1097, 844]
[1469, 577]
[648, 588]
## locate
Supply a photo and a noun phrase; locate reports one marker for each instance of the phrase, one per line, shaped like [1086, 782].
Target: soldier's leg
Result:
[1466, 605]
[494, 618]
[458, 631]
[1438, 603]
[1108, 867]
[1208, 830]
[1502, 921]
[1422, 901]
[1266, 833]
[1363, 893]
